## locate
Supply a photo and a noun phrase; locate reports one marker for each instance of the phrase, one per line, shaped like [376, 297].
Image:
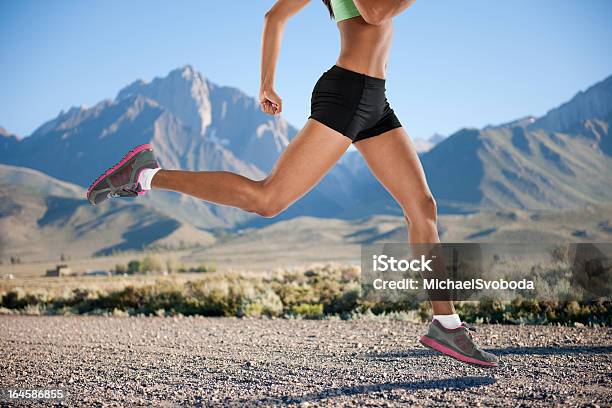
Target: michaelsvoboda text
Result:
[384, 263]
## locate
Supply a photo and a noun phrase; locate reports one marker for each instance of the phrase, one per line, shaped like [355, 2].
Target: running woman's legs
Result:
[302, 164]
[393, 160]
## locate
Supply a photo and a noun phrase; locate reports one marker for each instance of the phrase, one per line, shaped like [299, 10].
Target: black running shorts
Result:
[353, 104]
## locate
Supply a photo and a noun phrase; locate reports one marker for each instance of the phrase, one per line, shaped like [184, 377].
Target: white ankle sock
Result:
[146, 176]
[450, 322]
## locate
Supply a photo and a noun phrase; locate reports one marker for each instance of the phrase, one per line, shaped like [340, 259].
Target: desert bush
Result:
[350, 274]
[308, 310]
[520, 311]
[561, 254]
[18, 299]
[316, 293]
[151, 263]
[263, 304]
[172, 265]
[344, 301]
[203, 268]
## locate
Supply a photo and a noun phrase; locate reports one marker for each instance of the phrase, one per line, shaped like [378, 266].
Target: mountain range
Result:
[46, 219]
[562, 160]
[193, 124]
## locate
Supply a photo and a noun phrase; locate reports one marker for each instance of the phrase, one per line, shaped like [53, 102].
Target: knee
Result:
[423, 209]
[269, 203]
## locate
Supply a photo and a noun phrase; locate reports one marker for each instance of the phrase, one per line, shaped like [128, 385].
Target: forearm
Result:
[270, 48]
[378, 11]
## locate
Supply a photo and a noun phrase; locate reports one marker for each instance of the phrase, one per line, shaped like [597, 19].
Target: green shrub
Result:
[133, 267]
[263, 304]
[345, 301]
[18, 299]
[307, 310]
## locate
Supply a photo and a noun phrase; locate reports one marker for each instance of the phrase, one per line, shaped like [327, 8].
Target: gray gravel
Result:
[209, 362]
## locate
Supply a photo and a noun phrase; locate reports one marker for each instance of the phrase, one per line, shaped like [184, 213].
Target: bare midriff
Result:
[365, 47]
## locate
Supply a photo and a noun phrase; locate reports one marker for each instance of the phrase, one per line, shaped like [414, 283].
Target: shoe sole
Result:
[125, 159]
[447, 351]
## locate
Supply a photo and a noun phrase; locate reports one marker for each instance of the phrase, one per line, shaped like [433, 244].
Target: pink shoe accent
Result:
[127, 157]
[431, 343]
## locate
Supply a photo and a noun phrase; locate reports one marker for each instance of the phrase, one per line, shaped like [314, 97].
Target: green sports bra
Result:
[344, 9]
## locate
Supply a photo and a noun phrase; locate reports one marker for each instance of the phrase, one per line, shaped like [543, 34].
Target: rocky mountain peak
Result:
[184, 92]
[594, 103]
[5, 133]
[7, 140]
[187, 72]
[217, 114]
[521, 122]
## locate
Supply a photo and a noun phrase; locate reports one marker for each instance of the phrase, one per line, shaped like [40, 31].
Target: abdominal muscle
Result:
[365, 47]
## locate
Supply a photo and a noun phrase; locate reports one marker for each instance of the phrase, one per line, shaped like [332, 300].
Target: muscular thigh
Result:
[309, 156]
[393, 159]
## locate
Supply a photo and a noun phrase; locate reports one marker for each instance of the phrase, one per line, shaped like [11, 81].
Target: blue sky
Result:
[453, 64]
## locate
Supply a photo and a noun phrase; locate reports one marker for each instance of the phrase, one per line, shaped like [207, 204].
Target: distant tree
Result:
[133, 266]
[121, 269]
[204, 268]
[171, 265]
[151, 264]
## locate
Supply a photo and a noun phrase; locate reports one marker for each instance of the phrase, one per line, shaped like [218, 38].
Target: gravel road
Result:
[209, 362]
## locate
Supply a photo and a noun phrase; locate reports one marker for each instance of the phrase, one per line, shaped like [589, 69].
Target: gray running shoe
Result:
[458, 344]
[122, 180]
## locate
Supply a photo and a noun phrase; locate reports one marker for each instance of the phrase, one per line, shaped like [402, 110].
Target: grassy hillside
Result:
[42, 218]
